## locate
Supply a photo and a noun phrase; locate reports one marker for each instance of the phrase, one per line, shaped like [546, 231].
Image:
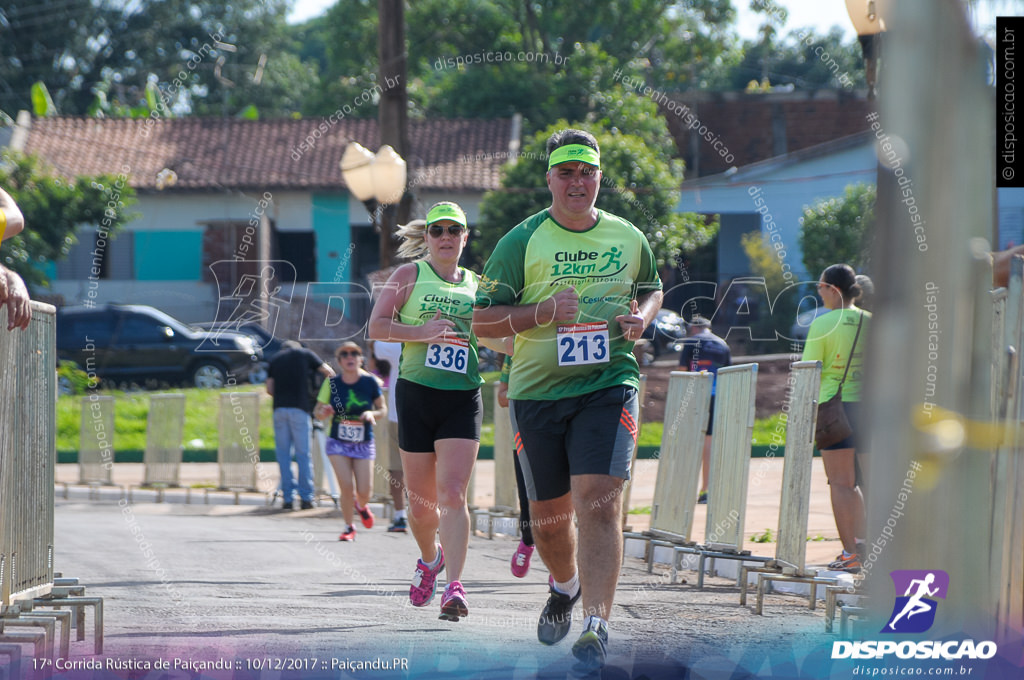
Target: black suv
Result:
[263, 339]
[140, 344]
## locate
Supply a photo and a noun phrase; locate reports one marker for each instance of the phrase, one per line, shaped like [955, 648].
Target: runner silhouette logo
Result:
[914, 610]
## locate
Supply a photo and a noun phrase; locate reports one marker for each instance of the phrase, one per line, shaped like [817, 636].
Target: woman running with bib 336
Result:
[428, 306]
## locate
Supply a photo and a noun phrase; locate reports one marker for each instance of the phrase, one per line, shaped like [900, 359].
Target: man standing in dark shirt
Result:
[289, 378]
[705, 351]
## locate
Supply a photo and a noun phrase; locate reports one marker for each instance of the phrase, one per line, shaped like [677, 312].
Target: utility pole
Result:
[393, 118]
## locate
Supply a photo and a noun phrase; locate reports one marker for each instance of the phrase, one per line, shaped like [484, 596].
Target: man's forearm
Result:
[649, 304]
[504, 320]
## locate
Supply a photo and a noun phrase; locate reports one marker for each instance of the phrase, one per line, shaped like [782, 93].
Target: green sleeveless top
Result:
[448, 365]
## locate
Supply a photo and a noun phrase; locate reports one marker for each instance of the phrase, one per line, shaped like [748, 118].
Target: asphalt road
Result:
[274, 595]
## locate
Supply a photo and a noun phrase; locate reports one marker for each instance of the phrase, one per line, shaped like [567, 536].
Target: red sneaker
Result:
[366, 516]
[349, 534]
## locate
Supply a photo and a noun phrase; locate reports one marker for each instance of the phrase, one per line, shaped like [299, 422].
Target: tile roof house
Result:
[232, 176]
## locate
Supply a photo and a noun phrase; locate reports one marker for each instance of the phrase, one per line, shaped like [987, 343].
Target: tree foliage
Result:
[764, 262]
[53, 209]
[98, 56]
[639, 183]
[803, 60]
[839, 229]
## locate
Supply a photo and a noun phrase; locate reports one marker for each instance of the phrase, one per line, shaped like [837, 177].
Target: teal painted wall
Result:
[168, 255]
[333, 237]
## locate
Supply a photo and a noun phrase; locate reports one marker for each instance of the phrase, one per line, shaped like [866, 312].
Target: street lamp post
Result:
[869, 24]
[378, 181]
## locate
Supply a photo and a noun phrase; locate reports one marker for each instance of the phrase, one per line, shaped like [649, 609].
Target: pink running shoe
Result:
[521, 560]
[424, 581]
[453, 603]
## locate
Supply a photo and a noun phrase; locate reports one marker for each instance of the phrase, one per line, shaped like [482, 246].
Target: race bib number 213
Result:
[582, 343]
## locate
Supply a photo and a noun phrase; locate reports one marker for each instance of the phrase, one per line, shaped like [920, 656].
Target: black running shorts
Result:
[426, 414]
[591, 434]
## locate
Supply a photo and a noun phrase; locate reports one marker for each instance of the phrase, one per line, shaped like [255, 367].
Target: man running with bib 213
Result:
[577, 286]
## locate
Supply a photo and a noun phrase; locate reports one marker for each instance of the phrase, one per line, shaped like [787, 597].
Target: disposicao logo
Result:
[914, 610]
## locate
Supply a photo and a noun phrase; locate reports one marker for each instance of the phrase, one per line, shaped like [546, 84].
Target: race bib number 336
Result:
[582, 343]
[450, 355]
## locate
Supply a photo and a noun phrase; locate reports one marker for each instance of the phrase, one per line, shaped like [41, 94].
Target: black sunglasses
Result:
[437, 230]
[345, 354]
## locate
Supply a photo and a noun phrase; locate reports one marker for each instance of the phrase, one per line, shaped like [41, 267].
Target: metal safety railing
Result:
[96, 440]
[506, 495]
[682, 441]
[730, 457]
[164, 428]
[28, 380]
[795, 502]
[687, 407]
[238, 445]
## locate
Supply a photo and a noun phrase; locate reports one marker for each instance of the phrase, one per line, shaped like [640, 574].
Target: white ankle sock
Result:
[570, 587]
[437, 560]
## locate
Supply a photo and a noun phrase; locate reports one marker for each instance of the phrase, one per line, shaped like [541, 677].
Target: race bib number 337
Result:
[450, 355]
[582, 343]
[350, 430]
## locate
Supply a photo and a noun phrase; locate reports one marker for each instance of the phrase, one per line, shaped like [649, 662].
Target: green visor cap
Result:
[446, 212]
[574, 152]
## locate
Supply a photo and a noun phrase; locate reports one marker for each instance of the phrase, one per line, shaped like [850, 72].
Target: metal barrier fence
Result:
[324, 481]
[682, 441]
[506, 494]
[164, 428]
[381, 489]
[730, 457]
[28, 381]
[238, 445]
[96, 440]
[795, 503]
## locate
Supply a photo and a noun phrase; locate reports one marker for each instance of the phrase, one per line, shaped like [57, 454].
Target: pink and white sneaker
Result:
[424, 581]
[453, 603]
[521, 560]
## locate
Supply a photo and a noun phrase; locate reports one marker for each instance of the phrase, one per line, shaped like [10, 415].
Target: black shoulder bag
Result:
[832, 425]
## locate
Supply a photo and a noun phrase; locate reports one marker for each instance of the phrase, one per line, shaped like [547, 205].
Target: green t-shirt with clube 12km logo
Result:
[609, 264]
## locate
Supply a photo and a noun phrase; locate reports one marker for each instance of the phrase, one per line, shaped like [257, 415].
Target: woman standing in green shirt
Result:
[837, 340]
